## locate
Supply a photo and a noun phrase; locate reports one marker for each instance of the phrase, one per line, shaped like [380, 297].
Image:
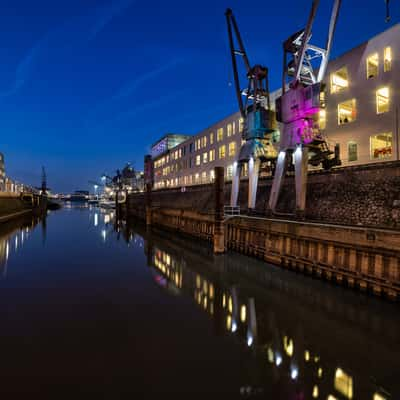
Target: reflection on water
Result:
[13, 235]
[305, 340]
[109, 308]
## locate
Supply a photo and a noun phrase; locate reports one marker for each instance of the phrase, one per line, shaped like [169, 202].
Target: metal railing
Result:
[229, 210]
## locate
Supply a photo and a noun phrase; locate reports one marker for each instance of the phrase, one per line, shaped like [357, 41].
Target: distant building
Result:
[167, 142]
[2, 174]
[131, 179]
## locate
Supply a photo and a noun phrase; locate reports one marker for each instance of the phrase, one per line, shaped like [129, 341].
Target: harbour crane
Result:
[299, 107]
[259, 123]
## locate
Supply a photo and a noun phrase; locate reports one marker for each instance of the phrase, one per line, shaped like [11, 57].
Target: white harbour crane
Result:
[299, 107]
[259, 123]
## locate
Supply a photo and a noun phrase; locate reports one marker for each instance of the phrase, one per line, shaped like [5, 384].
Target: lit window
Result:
[229, 130]
[204, 141]
[378, 396]
[245, 169]
[220, 134]
[233, 127]
[387, 66]
[197, 178]
[229, 172]
[344, 383]
[221, 151]
[346, 112]
[382, 100]
[212, 175]
[372, 65]
[352, 151]
[322, 119]
[241, 125]
[204, 176]
[232, 149]
[381, 145]
[211, 138]
[212, 155]
[198, 160]
[339, 80]
[205, 158]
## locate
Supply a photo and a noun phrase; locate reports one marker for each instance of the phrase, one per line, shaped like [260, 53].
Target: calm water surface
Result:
[90, 307]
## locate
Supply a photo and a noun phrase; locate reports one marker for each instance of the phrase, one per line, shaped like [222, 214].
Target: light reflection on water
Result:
[13, 235]
[244, 300]
[106, 284]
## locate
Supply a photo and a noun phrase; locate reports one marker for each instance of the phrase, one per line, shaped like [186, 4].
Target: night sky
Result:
[88, 85]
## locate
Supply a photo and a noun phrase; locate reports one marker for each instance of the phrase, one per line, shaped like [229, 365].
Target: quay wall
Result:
[363, 195]
[13, 205]
[357, 252]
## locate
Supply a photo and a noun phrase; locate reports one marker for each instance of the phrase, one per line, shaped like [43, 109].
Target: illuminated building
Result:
[362, 100]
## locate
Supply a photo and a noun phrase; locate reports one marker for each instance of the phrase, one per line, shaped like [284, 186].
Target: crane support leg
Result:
[301, 169]
[237, 169]
[280, 171]
[254, 168]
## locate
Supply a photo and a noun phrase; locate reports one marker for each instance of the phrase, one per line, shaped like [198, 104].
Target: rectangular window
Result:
[233, 128]
[212, 175]
[198, 159]
[381, 145]
[232, 149]
[347, 112]
[339, 80]
[387, 66]
[198, 143]
[352, 151]
[372, 66]
[229, 172]
[229, 130]
[382, 100]
[197, 178]
[204, 141]
[220, 134]
[322, 119]
[212, 155]
[211, 138]
[204, 177]
[221, 151]
[205, 158]
[241, 125]
[191, 147]
[245, 169]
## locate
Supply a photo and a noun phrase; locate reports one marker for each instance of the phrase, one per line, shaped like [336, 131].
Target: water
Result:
[91, 307]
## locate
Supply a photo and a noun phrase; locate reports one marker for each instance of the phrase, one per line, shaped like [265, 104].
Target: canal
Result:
[90, 306]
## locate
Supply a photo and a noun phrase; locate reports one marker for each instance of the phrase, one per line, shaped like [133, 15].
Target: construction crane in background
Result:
[299, 107]
[259, 123]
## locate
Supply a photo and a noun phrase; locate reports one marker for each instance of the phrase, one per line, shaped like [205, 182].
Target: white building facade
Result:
[362, 115]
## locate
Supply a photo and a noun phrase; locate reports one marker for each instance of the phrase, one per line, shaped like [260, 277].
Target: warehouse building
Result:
[361, 115]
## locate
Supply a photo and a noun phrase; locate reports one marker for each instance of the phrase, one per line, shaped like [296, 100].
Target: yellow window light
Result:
[344, 383]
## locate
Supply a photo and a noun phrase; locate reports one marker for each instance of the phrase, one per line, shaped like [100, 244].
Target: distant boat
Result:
[80, 196]
[107, 203]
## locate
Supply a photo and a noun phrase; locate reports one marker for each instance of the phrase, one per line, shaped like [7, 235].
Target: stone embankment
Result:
[351, 234]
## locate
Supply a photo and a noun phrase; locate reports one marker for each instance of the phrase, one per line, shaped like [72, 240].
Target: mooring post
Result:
[148, 204]
[219, 229]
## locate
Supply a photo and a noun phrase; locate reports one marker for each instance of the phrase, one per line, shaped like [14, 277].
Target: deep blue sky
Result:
[88, 85]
